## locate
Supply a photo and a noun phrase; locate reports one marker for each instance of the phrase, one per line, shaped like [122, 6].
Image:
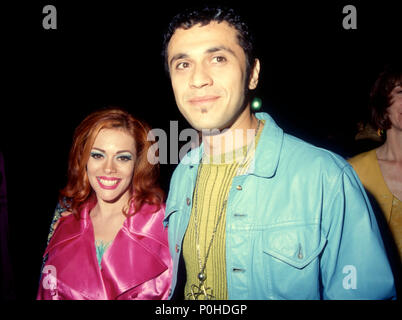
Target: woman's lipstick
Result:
[108, 183]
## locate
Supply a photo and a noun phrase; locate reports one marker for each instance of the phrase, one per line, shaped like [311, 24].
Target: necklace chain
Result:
[201, 275]
[252, 144]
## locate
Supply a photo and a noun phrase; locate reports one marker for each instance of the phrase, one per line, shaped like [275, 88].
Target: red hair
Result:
[144, 185]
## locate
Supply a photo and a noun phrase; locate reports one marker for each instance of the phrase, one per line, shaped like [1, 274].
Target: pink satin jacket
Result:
[137, 265]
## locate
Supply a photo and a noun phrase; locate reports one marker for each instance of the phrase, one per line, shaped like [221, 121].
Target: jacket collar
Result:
[269, 147]
[138, 253]
[141, 224]
[267, 153]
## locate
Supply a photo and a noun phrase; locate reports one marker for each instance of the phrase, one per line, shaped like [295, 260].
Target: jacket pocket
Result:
[295, 245]
[290, 261]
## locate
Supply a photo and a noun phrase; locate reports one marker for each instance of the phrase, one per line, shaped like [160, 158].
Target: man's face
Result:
[208, 72]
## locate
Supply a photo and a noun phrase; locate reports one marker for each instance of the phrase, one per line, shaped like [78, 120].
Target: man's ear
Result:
[254, 74]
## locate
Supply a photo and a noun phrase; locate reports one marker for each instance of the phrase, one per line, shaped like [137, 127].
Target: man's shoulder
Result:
[178, 182]
[298, 151]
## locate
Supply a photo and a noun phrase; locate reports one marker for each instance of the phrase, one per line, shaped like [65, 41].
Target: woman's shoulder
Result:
[155, 210]
[68, 226]
[149, 214]
[368, 170]
[363, 159]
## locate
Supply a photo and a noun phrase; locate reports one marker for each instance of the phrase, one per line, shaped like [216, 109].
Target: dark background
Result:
[315, 82]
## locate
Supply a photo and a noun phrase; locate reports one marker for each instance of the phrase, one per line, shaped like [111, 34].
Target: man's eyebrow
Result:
[221, 48]
[210, 50]
[178, 57]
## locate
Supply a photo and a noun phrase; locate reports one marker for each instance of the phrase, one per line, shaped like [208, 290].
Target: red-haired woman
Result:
[110, 242]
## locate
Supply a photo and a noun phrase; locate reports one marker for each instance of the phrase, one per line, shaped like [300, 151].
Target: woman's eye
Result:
[96, 155]
[125, 158]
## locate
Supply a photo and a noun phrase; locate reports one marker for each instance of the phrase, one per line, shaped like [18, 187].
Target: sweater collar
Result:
[267, 154]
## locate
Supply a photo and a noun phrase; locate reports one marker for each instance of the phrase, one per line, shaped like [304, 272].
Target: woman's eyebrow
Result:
[124, 151]
[118, 152]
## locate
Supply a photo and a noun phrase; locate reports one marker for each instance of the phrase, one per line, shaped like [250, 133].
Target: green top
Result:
[101, 247]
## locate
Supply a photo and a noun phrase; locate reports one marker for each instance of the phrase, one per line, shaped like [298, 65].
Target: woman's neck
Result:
[391, 150]
[108, 210]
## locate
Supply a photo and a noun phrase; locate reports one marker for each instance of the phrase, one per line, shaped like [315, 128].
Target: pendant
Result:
[200, 292]
[201, 277]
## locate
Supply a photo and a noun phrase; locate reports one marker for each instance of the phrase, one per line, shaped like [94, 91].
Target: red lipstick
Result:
[108, 183]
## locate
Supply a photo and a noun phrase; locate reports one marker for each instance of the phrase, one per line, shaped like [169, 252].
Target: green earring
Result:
[256, 104]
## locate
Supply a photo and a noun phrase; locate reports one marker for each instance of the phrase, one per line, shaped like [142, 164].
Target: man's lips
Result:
[203, 100]
[108, 183]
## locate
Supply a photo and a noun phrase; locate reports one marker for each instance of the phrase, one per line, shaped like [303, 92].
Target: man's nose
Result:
[200, 78]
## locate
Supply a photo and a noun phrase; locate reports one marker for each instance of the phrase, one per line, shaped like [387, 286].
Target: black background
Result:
[315, 81]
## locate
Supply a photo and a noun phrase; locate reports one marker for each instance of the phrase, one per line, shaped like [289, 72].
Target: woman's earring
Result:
[380, 132]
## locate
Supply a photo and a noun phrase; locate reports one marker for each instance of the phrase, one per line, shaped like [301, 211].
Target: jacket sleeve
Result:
[354, 264]
[56, 216]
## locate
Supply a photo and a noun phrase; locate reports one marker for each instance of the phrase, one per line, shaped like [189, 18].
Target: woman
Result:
[110, 242]
[380, 169]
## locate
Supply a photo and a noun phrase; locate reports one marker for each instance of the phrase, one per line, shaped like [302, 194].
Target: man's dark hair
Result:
[204, 16]
[380, 96]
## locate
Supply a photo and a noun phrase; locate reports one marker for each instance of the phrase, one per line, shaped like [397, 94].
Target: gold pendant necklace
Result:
[201, 291]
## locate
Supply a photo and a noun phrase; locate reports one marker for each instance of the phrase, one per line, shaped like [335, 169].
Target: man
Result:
[285, 220]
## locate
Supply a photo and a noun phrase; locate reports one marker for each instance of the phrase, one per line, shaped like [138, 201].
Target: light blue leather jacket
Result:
[300, 226]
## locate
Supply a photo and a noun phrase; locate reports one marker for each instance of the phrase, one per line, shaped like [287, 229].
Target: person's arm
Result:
[58, 213]
[354, 264]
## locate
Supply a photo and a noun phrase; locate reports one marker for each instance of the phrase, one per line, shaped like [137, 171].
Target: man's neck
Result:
[241, 132]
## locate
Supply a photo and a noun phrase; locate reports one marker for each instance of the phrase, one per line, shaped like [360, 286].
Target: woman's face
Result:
[110, 165]
[395, 109]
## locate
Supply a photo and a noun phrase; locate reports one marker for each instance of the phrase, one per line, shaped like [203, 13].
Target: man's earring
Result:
[256, 104]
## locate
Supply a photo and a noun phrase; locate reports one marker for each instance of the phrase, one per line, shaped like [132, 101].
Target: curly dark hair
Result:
[380, 95]
[204, 16]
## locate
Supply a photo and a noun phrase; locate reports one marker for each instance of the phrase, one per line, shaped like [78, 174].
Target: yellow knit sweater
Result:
[211, 191]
